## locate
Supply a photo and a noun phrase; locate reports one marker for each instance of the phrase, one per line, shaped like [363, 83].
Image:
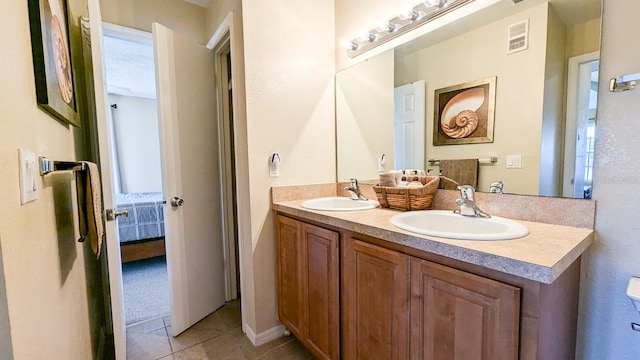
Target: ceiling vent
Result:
[518, 38]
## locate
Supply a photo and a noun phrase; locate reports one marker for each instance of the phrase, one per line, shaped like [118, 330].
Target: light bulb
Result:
[365, 35]
[385, 26]
[432, 3]
[348, 44]
[407, 13]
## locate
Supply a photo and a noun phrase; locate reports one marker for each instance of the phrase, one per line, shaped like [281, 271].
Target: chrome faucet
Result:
[354, 190]
[467, 203]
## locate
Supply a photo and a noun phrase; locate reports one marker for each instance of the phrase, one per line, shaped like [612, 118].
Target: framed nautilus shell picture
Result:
[464, 113]
[51, 52]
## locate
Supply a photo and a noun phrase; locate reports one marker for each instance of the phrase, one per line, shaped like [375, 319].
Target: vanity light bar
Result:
[407, 20]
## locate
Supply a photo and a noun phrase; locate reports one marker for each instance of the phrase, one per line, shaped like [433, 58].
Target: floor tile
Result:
[146, 326]
[291, 350]
[148, 346]
[251, 352]
[219, 336]
[231, 315]
[207, 328]
[224, 347]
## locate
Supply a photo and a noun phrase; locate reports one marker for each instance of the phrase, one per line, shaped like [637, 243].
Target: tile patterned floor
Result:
[219, 336]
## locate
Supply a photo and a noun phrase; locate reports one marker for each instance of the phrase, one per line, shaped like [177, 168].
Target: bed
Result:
[142, 232]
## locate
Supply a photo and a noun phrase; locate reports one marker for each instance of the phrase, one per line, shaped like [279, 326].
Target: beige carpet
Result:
[146, 289]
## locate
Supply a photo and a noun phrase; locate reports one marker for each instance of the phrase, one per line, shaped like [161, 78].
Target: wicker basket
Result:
[408, 198]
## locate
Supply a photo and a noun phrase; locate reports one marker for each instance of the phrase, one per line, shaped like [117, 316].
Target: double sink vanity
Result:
[381, 284]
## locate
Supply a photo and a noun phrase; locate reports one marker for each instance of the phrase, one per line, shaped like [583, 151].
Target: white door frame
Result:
[223, 47]
[226, 33]
[571, 120]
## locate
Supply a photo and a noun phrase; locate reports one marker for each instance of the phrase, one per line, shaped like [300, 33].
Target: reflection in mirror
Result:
[544, 104]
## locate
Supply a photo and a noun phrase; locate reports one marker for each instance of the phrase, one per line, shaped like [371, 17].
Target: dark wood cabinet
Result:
[289, 274]
[457, 315]
[309, 285]
[350, 296]
[375, 302]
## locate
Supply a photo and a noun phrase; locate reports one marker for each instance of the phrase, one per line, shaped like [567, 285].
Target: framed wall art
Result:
[464, 113]
[55, 91]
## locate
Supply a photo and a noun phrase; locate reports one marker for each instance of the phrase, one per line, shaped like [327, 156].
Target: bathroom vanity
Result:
[353, 286]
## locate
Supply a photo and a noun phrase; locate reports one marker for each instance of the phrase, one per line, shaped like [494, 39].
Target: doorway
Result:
[580, 126]
[135, 162]
[226, 141]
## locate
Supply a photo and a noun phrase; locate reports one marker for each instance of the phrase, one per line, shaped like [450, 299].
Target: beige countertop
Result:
[542, 256]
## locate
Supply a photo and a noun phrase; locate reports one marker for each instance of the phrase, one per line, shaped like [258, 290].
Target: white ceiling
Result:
[129, 67]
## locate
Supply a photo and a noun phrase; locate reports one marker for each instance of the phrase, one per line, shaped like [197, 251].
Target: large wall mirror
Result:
[544, 106]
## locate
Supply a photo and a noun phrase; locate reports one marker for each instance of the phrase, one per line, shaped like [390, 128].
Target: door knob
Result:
[112, 214]
[176, 202]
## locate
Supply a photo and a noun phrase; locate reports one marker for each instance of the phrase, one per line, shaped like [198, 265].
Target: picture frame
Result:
[464, 113]
[52, 63]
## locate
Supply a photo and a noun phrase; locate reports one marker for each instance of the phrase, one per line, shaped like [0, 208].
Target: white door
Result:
[581, 103]
[104, 142]
[190, 172]
[408, 126]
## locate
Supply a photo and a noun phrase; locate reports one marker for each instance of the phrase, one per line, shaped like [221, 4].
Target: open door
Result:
[408, 126]
[190, 175]
[112, 246]
[190, 170]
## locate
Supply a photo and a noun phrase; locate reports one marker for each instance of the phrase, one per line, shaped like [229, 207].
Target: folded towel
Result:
[90, 206]
[387, 179]
[447, 184]
[463, 171]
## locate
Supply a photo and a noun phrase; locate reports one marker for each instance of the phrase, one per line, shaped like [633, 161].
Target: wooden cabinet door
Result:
[375, 302]
[321, 285]
[289, 274]
[461, 316]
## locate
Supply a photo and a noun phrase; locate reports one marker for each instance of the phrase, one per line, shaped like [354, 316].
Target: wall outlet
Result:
[514, 162]
[28, 175]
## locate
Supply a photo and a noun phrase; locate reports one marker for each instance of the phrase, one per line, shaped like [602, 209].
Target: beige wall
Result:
[289, 69]
[583, 38]
[364, 105]
[606, 312]
[49, 276]
[519, 94]
[137, 142]
[551, 140]
[178, 15]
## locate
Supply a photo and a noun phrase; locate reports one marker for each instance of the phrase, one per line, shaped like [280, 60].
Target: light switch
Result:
[28, 175]
[514, 161]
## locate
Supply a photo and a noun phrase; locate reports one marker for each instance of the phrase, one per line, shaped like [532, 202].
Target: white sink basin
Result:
[446, 224]
[338, 203]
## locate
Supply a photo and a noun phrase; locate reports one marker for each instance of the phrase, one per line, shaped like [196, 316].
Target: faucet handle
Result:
[467, 191]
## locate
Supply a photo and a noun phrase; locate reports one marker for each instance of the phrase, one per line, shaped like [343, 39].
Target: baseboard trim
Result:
[265, 336]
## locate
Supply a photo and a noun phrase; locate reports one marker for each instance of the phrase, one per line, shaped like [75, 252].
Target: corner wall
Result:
[289, 54]
[51, 305]
[605, 311]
